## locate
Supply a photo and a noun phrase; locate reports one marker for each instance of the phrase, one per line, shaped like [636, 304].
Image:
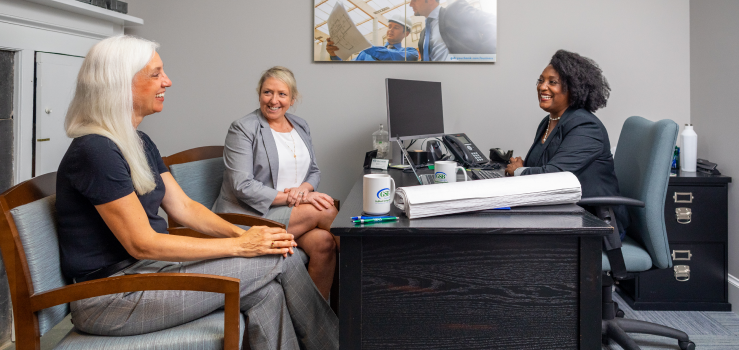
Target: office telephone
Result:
[464, 150]
[497, 155]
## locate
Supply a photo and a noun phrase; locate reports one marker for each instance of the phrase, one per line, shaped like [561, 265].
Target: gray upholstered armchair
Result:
[41, 295]
[642, 163]
[199, 171]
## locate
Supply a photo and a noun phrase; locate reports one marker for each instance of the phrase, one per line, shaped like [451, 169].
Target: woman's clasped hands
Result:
[516, 162]
[263, 240]
[303, 195]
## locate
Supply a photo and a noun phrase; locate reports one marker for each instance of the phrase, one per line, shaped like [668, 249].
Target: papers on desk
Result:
[460, 197]
[344, 33]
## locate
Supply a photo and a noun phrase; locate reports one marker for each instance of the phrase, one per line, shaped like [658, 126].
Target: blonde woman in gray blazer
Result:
[271, 172]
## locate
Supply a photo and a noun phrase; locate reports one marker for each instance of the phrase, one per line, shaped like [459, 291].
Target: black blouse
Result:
[578, 144]
[94, 172]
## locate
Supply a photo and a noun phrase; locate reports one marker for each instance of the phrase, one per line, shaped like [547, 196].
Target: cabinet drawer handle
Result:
[686, 200]
[682, 273]
[683, 215]
[675, 255]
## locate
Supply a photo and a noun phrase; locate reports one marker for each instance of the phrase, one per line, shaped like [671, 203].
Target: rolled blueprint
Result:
[460, 197]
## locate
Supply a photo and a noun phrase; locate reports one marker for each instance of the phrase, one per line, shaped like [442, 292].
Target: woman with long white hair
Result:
[110, 185]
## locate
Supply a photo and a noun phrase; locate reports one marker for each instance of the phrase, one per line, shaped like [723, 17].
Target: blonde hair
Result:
[282, 74]
[103, 101]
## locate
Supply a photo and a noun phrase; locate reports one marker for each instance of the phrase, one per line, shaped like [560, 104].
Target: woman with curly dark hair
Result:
[571, 138]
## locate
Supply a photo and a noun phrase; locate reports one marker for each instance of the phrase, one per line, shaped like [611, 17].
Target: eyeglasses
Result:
[540, 82]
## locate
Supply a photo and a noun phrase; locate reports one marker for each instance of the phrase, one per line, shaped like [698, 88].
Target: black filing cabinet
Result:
[696, 218]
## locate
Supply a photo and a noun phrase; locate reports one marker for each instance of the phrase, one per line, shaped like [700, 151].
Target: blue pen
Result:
[364, 221]
[370, 217]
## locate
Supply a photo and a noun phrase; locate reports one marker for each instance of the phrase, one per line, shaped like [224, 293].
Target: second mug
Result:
[445, 171]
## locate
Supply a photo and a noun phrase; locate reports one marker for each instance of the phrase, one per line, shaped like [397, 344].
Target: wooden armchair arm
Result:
[155, 281]
[186, 231]
[236, 219]
[249, 220]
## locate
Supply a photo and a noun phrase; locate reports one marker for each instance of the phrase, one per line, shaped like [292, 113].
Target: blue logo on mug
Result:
[383, 194]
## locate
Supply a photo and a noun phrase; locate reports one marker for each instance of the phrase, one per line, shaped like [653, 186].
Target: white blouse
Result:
[294, 159]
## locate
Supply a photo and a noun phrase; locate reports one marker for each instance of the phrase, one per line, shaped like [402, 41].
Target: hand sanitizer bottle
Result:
[689, 149]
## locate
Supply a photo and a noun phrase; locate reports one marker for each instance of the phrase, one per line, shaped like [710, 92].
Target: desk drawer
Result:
[703, 213]
[705, 283]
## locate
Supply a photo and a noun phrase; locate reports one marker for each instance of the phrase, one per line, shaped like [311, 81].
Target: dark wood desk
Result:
[469, 281]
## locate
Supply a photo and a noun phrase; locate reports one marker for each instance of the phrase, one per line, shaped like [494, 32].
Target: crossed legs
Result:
[310, 227]
[282, 305]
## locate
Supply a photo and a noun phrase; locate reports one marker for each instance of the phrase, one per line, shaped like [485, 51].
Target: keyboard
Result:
[427, 179]
[485, 174]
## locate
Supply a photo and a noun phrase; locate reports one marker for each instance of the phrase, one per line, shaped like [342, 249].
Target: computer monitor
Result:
[414, 109]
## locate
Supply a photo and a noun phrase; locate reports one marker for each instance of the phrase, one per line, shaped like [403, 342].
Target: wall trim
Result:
[32, 23]
[733, 281]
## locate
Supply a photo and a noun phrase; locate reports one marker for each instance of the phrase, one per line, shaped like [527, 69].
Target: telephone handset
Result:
[497, 155]
[464, 150]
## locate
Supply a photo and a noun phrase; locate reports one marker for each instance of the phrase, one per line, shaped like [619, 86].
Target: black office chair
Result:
[642, 163]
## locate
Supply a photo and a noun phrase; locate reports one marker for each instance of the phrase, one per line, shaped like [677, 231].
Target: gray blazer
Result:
[252, 164]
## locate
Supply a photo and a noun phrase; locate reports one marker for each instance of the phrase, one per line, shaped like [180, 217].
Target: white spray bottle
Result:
[689, 150]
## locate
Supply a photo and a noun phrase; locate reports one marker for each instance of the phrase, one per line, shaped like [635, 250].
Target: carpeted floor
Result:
[707, 329]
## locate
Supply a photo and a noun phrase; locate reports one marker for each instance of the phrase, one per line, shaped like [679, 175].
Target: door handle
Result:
[683, 215]
[42, 140]
[682, 273]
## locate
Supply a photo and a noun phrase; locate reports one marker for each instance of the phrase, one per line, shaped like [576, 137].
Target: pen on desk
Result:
[362, 221]
[370, 217]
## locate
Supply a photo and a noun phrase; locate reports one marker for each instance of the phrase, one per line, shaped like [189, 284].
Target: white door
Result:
[56, 77]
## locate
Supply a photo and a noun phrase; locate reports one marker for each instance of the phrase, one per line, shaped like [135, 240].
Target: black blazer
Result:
[465, 29]
[579, 144]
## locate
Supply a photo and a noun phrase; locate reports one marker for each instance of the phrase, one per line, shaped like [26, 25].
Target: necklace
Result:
[549, 123]
[295, 154]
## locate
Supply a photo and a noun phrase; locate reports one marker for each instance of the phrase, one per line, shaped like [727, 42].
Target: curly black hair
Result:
[584, 80]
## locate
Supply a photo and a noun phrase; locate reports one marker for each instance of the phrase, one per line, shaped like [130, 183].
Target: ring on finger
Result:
[272, 245]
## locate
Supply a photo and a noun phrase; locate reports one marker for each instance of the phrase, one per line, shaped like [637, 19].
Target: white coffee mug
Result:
[445, 172]
[378, 192]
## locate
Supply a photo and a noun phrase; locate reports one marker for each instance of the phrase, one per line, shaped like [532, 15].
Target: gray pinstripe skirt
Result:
[282, 304]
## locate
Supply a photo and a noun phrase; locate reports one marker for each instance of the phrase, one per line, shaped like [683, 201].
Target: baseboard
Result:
[733, 281]
[734, 292]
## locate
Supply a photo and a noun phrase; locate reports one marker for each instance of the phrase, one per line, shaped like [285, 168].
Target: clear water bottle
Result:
[381, 142]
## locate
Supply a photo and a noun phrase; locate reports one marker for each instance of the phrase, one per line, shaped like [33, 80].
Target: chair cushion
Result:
[37, 228]
[635, 257]
[201, 180]
[203, 333]
[642, 166]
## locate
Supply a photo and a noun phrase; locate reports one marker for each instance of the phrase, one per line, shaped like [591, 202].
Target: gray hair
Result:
[282, 74]
[103, 101]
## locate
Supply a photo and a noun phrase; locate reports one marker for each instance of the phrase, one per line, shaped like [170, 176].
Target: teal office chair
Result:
[642, 163]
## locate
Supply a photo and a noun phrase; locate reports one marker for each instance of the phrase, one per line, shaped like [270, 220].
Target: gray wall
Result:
[714, 75]
[214, 52]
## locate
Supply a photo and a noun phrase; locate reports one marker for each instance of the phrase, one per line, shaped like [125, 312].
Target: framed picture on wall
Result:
[410, 31]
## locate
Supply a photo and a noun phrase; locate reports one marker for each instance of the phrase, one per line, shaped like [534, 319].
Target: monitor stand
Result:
[397, 158]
